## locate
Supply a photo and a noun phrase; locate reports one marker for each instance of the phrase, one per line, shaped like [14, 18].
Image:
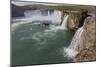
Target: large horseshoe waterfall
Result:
[39, 38]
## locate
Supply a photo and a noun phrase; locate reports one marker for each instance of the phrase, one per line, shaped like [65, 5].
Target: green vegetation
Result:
[75, 8]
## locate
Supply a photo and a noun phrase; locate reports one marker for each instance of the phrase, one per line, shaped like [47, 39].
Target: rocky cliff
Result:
[73, 21]
[87, 44]
[88, 41]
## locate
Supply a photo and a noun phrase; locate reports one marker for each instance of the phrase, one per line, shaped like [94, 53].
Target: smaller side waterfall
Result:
[72, 50]
[48, 13]
[76, 39]
[64, 23]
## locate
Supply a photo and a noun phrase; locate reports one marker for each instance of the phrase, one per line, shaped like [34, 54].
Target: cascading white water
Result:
[48, 13]
[37, 15]
[41, 16]
[34, 15]
[60, 27]
[72, 50]
[64, 23]
[42, 37]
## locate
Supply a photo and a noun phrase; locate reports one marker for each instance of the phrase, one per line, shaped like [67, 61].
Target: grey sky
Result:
[24, 2]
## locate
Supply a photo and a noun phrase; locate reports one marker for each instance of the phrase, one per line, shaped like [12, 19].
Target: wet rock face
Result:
[76, 20]
[88, 37]
[82, 18]
[88, 41]
[73, 21]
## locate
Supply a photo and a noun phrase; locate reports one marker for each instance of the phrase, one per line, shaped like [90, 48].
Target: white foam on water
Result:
[69, 52]
[17, 24]
[54, 29]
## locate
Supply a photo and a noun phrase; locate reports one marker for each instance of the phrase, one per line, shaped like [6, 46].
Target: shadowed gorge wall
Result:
[18, 11]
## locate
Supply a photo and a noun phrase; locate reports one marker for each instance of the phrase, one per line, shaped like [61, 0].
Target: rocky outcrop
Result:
[83, 15]
[86, 55]
[88, 37]
[87, 46]
[87, 42]
[73, 21]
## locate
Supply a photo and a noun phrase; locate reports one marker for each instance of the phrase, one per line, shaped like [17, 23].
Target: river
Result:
[34, 42]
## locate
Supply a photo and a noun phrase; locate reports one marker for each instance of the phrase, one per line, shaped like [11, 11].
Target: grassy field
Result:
[75, 8]
[57, 6]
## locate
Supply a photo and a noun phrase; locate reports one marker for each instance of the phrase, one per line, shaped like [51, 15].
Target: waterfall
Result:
[48, 13]
[76, 39]
[41, 15]
[73, 49]
[49, 16]
[64, 23]
[37, 15]
[62, 26]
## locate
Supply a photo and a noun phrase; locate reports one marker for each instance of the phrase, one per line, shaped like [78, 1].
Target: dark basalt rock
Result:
[17, 11]
[46, 24]
[82, 17]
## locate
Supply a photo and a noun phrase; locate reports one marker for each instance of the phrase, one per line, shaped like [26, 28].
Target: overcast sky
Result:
[21, 3]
